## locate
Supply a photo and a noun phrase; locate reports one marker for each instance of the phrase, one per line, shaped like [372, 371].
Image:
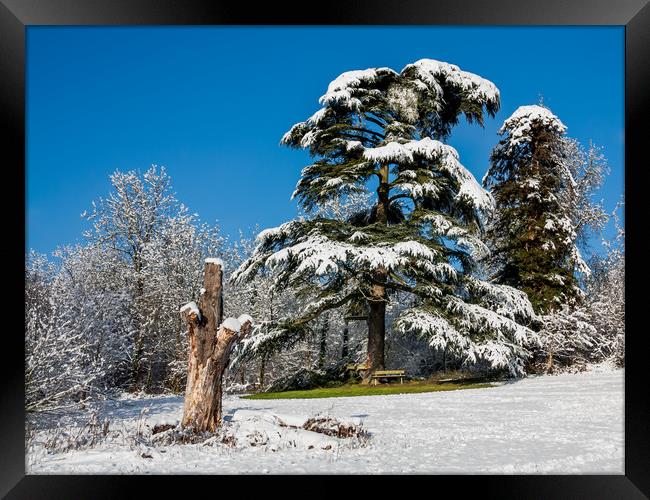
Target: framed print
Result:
[385, 239]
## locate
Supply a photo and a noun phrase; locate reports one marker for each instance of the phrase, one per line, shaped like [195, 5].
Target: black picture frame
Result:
[17, 15]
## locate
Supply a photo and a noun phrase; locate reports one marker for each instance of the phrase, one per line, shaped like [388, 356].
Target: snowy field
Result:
[564, 424]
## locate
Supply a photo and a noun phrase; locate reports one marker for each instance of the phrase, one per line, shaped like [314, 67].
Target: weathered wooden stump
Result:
[210, 344]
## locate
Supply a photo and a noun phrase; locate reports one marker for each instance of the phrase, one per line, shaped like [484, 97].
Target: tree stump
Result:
[210, 344]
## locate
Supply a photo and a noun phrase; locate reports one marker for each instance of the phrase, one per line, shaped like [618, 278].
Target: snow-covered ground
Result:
[564, 424]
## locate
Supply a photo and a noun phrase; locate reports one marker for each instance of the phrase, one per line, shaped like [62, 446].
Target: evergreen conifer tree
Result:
[382, 130]
[532, 230]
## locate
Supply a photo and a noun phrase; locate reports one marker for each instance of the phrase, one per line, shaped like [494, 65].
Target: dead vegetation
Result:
[144, 438]
[63, 439]
[335, 428]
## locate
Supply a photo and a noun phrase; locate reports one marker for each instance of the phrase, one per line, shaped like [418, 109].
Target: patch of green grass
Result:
[353, 390]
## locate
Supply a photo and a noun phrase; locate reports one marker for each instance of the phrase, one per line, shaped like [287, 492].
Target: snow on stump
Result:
[210, 343]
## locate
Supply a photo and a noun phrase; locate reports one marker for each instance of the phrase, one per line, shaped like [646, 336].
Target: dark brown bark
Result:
[377, 299]
[376, 328]
[549, 363]
[210, 346]
[322, 343]
[346, 340]
[383, 200]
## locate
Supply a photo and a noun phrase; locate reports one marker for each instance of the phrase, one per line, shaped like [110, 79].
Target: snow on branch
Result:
[580, 265]
[191, 308]
[396, 152]
[343, 89]
[439, 332]
[500, 355]
[446, 158]
[480, 319]
[519, 125]
[429, 74]
[505, 300]
[268, 336]
[319, 255]
[475, 246]
[455, 335]
[215, 260]
[245, 318]
[231, 324]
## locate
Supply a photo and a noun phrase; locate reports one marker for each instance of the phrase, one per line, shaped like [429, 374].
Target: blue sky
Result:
[211, 104]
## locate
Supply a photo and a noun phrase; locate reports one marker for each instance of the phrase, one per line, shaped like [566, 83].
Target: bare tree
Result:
[160, 246]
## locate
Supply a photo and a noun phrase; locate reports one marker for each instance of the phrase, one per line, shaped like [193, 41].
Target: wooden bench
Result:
[387, 374]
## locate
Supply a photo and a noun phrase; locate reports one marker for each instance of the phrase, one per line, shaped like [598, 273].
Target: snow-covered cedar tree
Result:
[533, 229]
[381, 131]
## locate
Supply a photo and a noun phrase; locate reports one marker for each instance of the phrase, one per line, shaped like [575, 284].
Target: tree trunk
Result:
[549, 362]
[322, 345]
[136, 362]
[262, 371]
[346, 340]
[377, 300]
[376, 325]
[138, 339]
[376, 334]
[210, 347]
